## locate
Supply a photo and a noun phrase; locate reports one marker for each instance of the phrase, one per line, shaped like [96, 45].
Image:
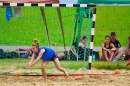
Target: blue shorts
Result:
[50, 58]
[54, 57]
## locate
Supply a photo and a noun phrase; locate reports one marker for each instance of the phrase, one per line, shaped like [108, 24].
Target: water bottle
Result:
[93, 57]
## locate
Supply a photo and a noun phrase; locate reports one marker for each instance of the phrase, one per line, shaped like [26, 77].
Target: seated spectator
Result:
[81, 47]
[27, 51]
[125, 51]
[108, 50]
[115, 42]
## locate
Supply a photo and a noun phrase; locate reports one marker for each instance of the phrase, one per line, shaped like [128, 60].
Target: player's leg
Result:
[127, 51]
[55, 49]
[119, 55]
[105, 55]
[57, 64]
[43, 66]
[55, 46]
[116, 52]
[128, 63]
[111, 55]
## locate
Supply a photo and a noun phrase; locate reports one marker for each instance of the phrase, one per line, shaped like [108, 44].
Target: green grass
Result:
[22, 31]
[20, 63]
[112, 19]
[110, 65]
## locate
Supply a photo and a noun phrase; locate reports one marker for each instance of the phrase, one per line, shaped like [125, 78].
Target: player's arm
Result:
[113, 47]
[104, 47]
[32, 58]
[39, 57]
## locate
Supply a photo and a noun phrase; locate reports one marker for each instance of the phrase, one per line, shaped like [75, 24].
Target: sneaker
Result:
[114, 59]
[122, 58]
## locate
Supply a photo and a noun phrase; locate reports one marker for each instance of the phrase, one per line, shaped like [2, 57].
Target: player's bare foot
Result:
[107, 60]
[110, 60]
[67, 75]
[53, 43]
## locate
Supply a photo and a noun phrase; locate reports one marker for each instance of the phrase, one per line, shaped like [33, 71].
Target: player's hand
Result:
[28, 65]
[109, 51]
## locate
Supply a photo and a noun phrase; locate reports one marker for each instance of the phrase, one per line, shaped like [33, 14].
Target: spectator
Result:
[108, 50]
[81, 48]
[126, 51]
[115, 42]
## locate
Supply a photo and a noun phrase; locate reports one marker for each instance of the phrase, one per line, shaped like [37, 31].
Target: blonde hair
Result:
[36, 43]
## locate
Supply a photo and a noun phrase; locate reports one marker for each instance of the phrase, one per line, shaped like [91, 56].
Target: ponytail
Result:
[36, 43]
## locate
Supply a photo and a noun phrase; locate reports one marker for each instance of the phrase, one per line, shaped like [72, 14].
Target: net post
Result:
[92, 39]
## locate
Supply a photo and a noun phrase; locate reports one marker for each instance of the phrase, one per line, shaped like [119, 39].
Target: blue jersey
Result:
[48, 55]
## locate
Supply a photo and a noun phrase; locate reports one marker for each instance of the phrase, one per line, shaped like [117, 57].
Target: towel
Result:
[9, 14]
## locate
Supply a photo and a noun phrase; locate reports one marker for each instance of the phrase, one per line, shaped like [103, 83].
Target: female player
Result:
[107, 49]
[46, 54]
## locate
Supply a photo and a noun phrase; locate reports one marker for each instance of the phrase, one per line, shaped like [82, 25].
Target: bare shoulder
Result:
[42, 50]
[102, 43]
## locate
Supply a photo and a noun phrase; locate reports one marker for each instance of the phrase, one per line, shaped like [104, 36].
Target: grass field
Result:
[20, 63]
[21, 31]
